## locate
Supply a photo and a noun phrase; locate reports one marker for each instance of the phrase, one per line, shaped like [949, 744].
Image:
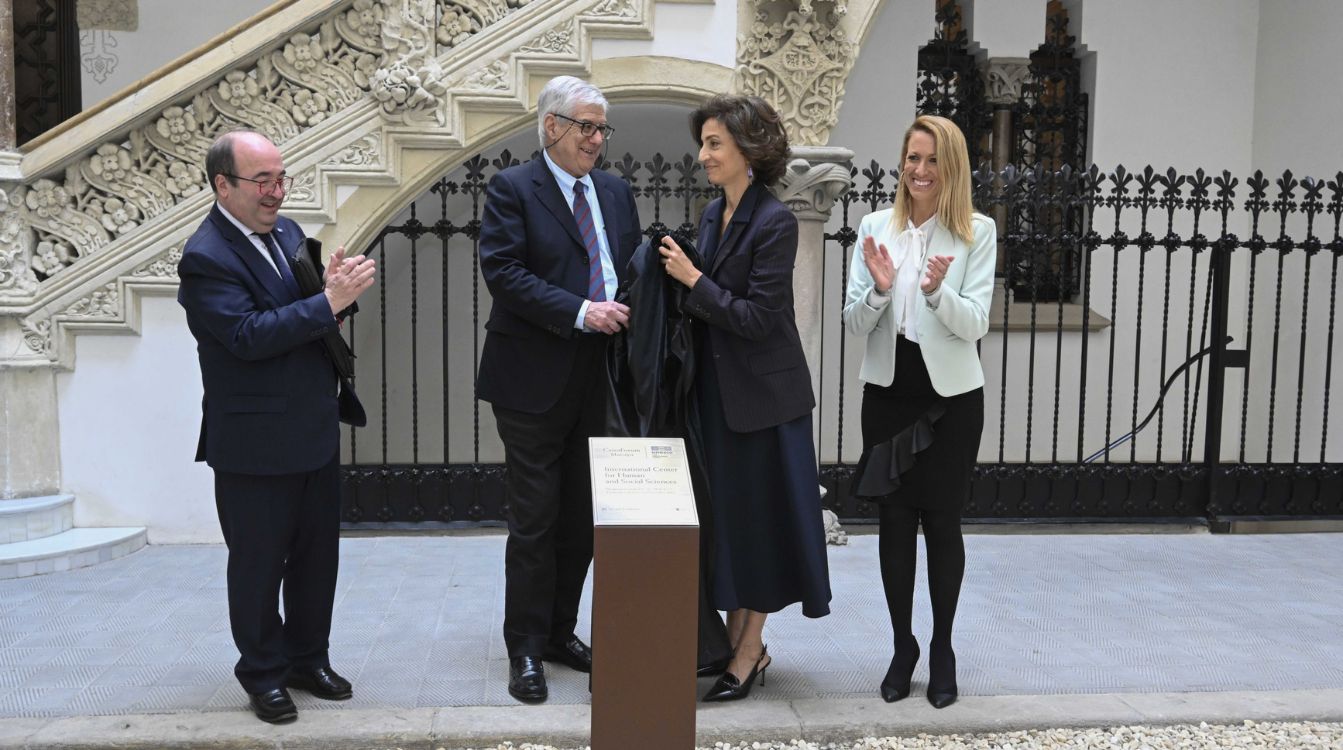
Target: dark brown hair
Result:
[754, 126]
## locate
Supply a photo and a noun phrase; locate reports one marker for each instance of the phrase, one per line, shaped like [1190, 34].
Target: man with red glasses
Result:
[270, 426]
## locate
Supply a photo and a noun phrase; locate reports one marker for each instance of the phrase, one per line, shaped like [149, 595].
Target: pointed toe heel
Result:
[942, 699]
[942, 690]
[729, 688]
[895, 685]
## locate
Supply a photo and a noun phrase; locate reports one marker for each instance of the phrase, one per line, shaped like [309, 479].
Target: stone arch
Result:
[361, 215]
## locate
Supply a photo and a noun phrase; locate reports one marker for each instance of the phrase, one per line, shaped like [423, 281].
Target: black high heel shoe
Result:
[895, 686]
[729, 688]
[941, 675]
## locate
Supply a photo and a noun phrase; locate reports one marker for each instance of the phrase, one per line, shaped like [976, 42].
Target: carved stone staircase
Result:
[37, 535]
[370, 101]
[362, 95]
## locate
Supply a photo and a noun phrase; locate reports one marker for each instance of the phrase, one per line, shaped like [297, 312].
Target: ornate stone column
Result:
[6, 75]
[817, 176]
[30, 449]
[1005, 77]
[797, 54]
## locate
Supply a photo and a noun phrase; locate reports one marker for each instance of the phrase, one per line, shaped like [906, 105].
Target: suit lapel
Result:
[548, 192]
[250, 256]
[740, 219]
[944, 243]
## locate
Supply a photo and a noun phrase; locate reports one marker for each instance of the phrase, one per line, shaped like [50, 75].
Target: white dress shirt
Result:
[252, 237]
[909, 255]
[566, 182]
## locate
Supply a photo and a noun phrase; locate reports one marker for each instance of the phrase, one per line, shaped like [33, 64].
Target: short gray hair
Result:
[564, 95]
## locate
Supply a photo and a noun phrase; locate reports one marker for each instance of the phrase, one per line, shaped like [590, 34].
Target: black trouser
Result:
[280, 529]
[549, 495]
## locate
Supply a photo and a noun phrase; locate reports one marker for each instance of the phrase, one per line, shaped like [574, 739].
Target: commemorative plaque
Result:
[645, 595]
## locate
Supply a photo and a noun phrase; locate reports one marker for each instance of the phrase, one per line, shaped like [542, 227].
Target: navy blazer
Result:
[270, 404]
[746, 297]
[536, 267]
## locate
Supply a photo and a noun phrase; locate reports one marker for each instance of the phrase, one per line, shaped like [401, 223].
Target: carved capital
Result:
[816, 177]
[1005, 77]
[796, 54]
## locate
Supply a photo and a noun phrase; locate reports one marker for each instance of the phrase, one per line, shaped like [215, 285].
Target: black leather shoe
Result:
[942, 690]
[527, 679]
[729, 688]
[713, 668]
[273, 706]
[895, 685]
[573, 653]
[322, 682]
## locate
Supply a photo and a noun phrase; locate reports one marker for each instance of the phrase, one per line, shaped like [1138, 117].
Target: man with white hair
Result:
[555, 236]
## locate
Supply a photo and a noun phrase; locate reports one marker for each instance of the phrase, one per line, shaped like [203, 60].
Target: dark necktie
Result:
[281, 263]
[588, 228]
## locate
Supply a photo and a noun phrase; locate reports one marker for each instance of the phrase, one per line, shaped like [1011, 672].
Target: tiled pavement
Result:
[417, 624]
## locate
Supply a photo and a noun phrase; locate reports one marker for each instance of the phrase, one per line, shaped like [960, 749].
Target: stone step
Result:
[31, 518]
[70, 549]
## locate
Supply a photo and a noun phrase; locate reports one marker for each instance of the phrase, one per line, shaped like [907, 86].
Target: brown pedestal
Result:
[644, 604]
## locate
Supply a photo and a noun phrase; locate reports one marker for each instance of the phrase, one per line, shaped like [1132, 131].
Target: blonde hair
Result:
[954, 202]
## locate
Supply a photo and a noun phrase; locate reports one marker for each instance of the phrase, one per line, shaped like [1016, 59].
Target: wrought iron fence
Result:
[1192, 368]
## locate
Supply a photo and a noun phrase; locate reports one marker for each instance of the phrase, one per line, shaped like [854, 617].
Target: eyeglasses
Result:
[265, 187]
[586, 129]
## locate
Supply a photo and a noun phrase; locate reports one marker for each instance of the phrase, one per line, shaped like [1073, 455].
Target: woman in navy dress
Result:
[753, 387]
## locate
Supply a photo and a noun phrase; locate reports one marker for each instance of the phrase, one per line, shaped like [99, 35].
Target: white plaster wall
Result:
[129, 419]
[698, 31]
[879, 96]
[1006, 28]
[1175, 82]
[1298, 101]
[1297, 107]
[164, 34]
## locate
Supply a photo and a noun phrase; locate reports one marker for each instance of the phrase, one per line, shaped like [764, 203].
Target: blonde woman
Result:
[919, 290]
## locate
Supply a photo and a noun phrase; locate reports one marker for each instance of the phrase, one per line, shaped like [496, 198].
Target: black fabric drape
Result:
[651, 368]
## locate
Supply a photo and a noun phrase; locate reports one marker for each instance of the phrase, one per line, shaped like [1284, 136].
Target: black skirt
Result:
[919, 447]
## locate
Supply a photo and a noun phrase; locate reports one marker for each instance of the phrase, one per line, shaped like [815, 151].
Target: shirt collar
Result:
[926, 227]
[565, 179]
[241, 226]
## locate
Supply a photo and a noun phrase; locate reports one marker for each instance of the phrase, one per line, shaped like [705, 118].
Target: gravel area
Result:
[1264, 735]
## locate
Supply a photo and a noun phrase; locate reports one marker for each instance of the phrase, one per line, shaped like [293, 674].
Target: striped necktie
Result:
[587, 228]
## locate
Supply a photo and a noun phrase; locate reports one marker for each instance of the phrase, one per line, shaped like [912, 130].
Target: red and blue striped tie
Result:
[586, 227]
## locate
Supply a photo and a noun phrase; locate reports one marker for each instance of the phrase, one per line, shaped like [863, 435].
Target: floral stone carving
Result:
[799, 64]
[384, 49]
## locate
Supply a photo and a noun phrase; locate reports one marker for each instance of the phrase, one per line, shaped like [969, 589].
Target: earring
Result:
[750, 173]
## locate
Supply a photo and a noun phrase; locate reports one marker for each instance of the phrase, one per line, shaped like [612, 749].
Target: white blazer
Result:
[947, 334]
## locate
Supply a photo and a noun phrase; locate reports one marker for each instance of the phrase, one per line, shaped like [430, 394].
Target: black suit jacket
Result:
[270, 404]
[536, 267]
[746, 297]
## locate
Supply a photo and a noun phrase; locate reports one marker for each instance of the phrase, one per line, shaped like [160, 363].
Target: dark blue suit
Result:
[270, 430]
[545, 380]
